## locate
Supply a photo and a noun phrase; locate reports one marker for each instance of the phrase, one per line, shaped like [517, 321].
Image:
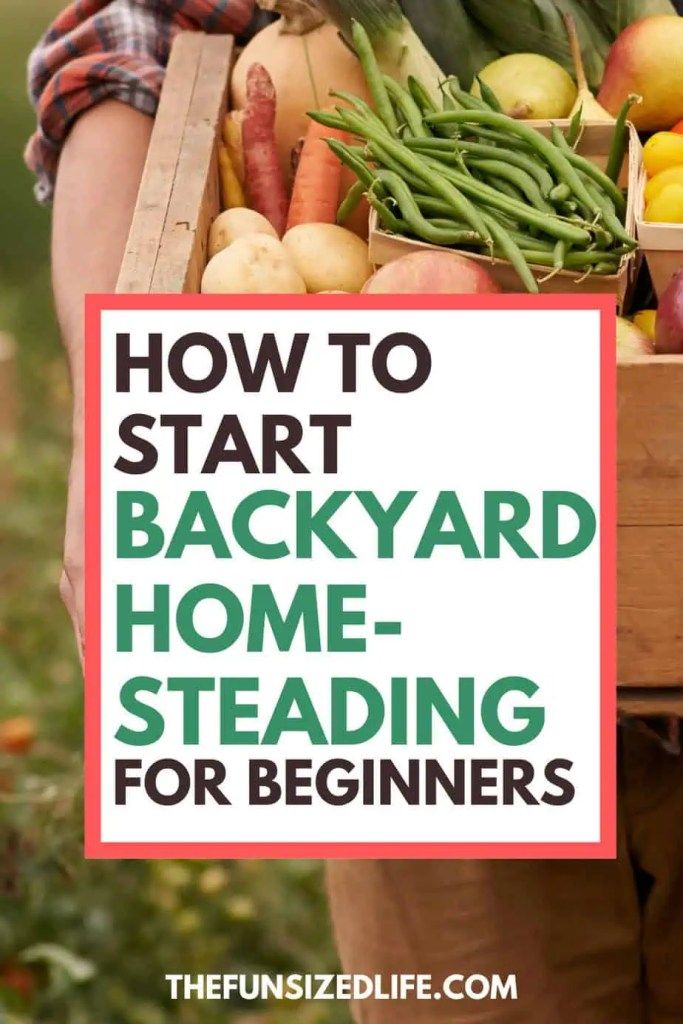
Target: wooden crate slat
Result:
[651, 702]
[159, 173]
[650, 460]
[650, 613]
[194, 199]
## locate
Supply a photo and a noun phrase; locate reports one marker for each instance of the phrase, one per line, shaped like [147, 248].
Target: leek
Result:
[453, 39]
[537, 26]
[399, 50]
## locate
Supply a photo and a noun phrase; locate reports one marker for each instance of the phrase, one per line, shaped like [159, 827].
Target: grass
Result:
[93, 940]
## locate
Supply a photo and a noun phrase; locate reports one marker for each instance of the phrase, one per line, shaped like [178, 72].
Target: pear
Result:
[585, 100]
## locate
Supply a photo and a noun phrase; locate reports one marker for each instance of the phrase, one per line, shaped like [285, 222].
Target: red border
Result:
[606, 847]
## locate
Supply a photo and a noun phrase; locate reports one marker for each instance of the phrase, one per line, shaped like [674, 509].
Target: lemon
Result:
[667, 207]
[661, 151]
[671, 176]
[529, 86]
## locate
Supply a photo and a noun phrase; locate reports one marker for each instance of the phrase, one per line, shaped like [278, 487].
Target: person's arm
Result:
[97, 183]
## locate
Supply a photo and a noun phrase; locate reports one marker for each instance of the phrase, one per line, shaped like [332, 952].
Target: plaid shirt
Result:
[112, 49]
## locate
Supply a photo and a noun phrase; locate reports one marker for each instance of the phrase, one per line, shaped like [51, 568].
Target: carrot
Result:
[315, 196]
[265, 180]
[232, 139]
[232, 193]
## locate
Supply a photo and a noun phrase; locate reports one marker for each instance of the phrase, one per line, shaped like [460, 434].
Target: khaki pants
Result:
[590, 942]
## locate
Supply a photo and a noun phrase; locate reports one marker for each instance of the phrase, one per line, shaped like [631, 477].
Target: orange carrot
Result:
[315, 196]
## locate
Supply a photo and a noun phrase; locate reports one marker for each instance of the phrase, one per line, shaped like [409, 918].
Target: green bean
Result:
[407, 106]
[467, 100]
[387, 218]
[421, 96]
[433, 205]
[373, 75]
[517, 177]
[410, 211]
[418, 167]
[574, 129]
[619, 138]
[591, 170]
[328, 120]
[512, 252]
[382, 156]
[557, 159]
[359, 105]
[559, 254]
[488, 95]
[550, 225]
[503, 186]
[609, 217]
[441, 234]
[498, 137]
[560, 193]
[572, 261]
[352, 161]
[445, 150]
[350, 202]
[605, 268]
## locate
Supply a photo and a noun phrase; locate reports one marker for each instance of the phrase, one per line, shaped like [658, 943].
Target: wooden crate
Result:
[178, 199]
[166, 252]
[594, 145]
[662, 246]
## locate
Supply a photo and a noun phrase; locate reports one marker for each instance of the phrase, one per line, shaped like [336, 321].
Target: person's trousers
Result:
[590, 942]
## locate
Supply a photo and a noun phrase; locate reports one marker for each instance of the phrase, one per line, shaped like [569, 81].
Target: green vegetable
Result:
[488, 95]
[455, 41]
[373, 76]
[407, 107]
[559, 254]
[412, 215]
[350, 202]
[620, 138]
[447, 150]
[554, 226]
[591, 170]
[500, 168]
[421, 96]
[557, 159]
[574, 130]
[399, 51]
[512, 252]
[537, 26]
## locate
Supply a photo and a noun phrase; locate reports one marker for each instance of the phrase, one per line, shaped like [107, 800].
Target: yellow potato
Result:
[252, 265]
[237, 223]
[328, 257]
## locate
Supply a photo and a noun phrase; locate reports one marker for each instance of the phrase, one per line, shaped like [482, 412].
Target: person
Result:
[588, 942]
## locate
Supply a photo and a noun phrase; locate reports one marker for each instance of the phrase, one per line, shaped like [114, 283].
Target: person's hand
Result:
[71, 585]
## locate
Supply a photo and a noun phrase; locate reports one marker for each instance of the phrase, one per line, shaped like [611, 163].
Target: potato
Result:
[237, 223]
[328, 257]
[255, 264]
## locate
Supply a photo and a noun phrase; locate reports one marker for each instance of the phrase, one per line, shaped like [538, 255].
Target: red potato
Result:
[440, 273]
[669, 337]
[265, 180]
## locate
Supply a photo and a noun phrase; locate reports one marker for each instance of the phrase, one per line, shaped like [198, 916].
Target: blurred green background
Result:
[91, 941]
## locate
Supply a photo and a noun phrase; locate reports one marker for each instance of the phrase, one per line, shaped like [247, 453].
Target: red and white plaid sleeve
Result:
[110, 49]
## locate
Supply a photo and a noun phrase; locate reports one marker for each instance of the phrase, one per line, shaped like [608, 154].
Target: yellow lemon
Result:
[646, 320]
[667, 207]
[661, 151]
[671, 176]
